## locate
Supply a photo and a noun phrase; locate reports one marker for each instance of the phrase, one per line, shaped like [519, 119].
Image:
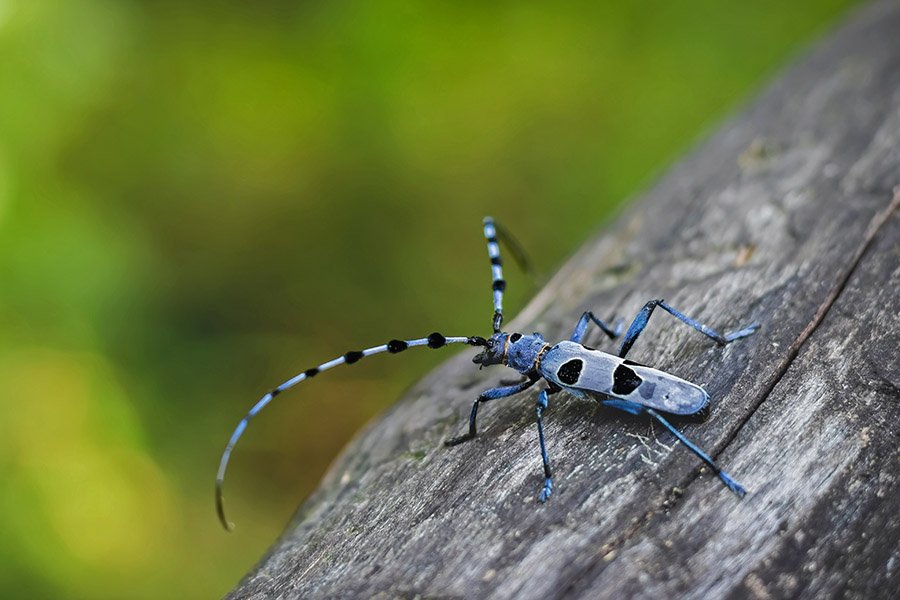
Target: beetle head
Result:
[495, 349]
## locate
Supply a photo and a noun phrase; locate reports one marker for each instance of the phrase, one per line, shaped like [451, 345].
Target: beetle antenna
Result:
[434, 341]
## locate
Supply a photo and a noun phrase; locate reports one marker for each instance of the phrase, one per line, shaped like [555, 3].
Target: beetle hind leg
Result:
[729, 482]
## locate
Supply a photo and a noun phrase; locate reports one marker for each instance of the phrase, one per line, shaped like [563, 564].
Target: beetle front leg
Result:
[491, 394]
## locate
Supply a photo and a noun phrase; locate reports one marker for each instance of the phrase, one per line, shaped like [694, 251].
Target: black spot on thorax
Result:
[625, 381]
[570, 371]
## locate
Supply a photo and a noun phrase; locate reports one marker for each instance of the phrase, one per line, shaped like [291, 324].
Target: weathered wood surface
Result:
[783, 218]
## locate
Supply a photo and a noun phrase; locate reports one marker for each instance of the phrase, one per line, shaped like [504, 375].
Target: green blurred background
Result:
[199, 199]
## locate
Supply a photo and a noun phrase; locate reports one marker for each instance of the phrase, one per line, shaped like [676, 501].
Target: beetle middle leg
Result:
[640, 322]
[541, 406]
[486, 396]
[586, 318]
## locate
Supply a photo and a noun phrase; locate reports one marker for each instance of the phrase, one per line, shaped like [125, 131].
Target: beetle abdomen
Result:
[571, 365]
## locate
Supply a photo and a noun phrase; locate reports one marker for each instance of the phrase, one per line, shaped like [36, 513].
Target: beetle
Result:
[569, 366]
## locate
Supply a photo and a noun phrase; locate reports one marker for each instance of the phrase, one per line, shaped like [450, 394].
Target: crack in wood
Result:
[875, 225]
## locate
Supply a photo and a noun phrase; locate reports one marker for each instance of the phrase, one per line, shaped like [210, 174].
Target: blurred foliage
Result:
[199, 199]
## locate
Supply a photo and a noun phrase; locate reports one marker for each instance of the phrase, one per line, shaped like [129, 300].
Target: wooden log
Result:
[787, 217]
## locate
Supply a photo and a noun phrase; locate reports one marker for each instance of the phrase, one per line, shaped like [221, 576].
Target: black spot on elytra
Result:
[569, 372]
[647, 390]
[436, 340]
[515, 338]
[625, 381]
[352, 356]
[395, 346]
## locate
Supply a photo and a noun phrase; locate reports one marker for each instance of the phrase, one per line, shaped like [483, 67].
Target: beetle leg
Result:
[491, 394]
[541, 406]
[640, 322]
[732, 485]
[586, 318]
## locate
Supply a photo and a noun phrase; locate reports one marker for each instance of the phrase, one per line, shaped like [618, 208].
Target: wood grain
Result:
[786, 216]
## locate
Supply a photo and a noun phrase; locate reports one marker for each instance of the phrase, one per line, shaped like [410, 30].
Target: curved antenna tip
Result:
[220, 509]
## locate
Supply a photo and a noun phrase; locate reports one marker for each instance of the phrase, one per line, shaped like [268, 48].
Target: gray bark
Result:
[783, 217]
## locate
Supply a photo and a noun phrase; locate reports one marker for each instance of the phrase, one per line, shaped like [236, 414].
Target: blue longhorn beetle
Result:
[569, 365]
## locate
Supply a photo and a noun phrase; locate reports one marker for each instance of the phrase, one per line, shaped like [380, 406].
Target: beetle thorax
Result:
[523, 351]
